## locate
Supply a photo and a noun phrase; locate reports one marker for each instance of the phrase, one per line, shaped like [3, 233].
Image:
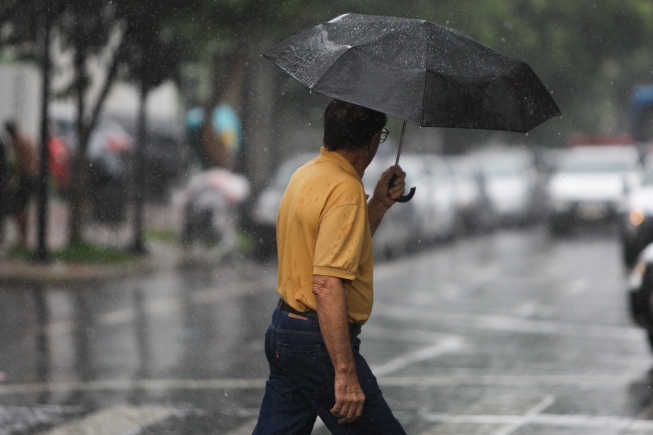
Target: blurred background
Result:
[513, 293]
[142, 97]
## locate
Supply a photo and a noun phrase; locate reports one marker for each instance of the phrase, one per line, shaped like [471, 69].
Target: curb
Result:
[32, 273]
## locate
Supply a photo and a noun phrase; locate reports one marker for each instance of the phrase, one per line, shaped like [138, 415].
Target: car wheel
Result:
[630, 252]
[645, 306]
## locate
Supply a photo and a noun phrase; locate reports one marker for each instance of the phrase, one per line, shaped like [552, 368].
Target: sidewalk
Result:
[158, 217]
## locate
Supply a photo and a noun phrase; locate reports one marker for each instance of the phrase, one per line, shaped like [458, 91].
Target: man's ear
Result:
[373, 146]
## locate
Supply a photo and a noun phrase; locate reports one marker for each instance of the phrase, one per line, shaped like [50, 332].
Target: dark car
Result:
[636, 219]
[640, 292]
[111, 155]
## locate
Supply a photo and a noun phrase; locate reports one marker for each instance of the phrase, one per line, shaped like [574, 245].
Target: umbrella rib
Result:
[311, 88]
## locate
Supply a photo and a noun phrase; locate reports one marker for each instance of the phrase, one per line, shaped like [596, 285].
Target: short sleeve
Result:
[340, 241]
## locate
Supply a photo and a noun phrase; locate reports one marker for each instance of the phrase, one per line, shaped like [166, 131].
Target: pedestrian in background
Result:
[324, 242]
[25, 173]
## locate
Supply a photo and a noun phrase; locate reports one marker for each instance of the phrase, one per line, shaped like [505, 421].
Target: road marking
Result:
[555, 420]
[509, 380]
[526, 418]
[503, 405]
[119, 420]
[405, 335]
[510, 324]
[259, 383]
[424, 354]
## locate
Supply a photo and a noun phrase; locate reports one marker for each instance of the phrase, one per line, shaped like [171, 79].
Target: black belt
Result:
[354, 328]
[311, 314]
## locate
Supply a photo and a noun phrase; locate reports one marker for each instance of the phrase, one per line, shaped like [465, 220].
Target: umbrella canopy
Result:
[421, 72]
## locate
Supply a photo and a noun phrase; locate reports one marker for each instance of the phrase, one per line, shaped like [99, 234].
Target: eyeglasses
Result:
[384, 135]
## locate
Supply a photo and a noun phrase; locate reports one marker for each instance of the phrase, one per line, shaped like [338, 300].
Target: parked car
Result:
[640, 293]
[636, 219]
[399, 229]
[428, 217]
[473, 209]
[439, 222]
[589, 185]
[263, 218]
[512, 185]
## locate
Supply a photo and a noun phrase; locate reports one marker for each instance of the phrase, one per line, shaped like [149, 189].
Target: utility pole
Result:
[42, 248]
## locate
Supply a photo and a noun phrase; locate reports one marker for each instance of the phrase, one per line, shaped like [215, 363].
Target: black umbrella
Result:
[418, 71]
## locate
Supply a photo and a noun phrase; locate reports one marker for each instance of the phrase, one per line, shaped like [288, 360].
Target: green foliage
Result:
[82, 253]
[163, 236]
[587, 52]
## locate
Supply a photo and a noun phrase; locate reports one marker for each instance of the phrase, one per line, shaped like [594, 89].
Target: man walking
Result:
[324, 237]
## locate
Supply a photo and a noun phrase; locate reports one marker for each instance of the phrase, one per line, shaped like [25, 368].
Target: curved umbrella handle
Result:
[406, 198]
[403, 198]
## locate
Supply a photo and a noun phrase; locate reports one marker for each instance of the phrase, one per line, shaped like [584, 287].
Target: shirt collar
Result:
[338, 159]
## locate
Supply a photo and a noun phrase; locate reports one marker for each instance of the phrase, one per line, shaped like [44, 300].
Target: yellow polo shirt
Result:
[323, 229]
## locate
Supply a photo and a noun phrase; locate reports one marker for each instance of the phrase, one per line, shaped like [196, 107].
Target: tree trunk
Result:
[79, 176]
[258, 153]
[138, 189]
[85, 126]
[42, 192]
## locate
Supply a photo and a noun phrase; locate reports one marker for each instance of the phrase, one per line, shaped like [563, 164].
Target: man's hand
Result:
[349, 398]
[332, 312]
[387, 195]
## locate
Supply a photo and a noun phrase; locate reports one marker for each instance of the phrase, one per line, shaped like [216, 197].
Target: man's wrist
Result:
[378, 205]
[346, 370]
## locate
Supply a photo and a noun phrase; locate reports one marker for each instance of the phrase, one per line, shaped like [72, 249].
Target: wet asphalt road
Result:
[506, 334]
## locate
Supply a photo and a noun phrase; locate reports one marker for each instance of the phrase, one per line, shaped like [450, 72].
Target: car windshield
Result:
[595, 164]
[504, 167]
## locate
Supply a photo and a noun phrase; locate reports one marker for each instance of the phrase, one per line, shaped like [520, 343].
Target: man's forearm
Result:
[332, 312]
[375, 212]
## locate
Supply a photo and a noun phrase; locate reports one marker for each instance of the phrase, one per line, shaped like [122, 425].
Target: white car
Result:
[511, 183]
[428, 217]
[397, 230]
[473, 210]
[441, 222]
[590, 185]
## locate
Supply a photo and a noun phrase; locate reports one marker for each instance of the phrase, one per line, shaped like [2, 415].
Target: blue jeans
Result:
[300, 386]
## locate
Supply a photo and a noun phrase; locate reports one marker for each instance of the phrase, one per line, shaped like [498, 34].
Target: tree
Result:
[88, 28]
[151, 57]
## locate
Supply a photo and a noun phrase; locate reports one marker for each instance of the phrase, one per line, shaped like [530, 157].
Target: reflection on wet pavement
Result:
[509, 333]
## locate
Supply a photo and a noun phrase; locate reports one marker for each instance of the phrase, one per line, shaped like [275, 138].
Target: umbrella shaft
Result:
[401, 143]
